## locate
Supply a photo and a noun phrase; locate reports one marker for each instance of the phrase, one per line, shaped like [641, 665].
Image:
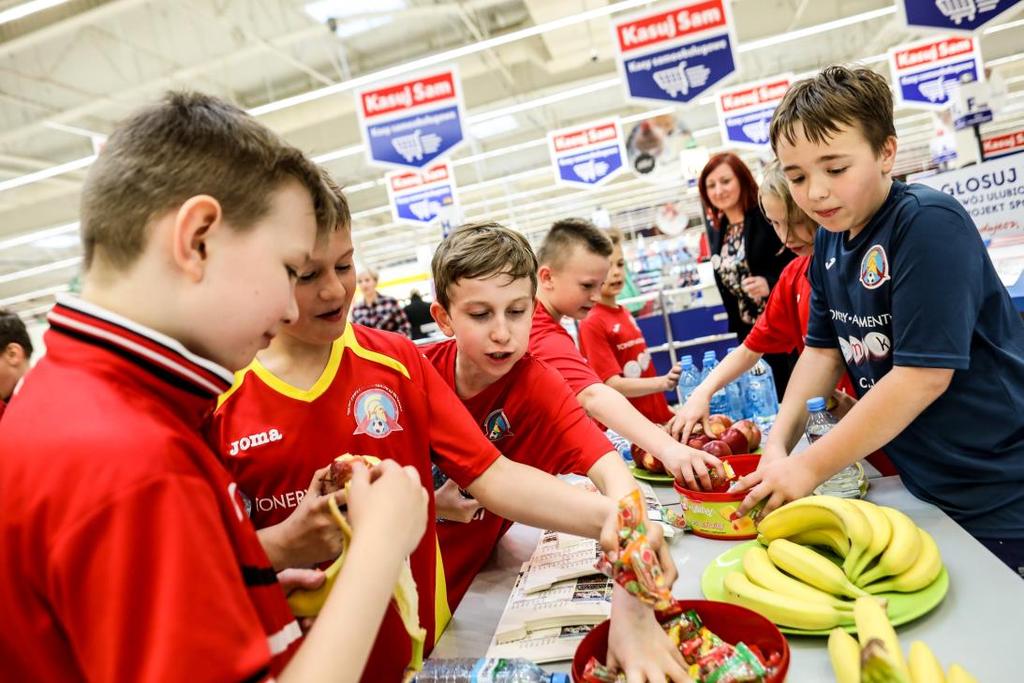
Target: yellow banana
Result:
[760, 570]
[900, 554]
[844, 652]
[924, 667]
[781, 609]
[810, 567]
[881, 533]
[877, 665]
[921, 574]
[833, 539]
[820, 512]
[957, 674]
[873, 624]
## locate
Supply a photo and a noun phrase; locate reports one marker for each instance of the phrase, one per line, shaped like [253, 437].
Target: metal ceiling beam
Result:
[60, 28]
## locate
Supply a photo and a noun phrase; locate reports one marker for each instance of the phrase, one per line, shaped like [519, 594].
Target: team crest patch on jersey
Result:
[376, 411]
[497, 425]
[874, 269]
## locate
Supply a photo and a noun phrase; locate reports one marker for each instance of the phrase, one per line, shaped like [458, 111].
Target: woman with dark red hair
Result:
[745, 251]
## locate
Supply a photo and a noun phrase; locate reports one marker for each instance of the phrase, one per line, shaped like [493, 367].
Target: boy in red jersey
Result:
[326, 387]
[485, 279]
[573, 263]
[613, 344]
[127, 554]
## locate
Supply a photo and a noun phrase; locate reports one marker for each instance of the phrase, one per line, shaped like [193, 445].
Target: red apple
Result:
[717, 448]
[717, 424]
[721, 417]
[752, 432]
[697, 429]
[698, 441]
[736, 440]
[652, 464]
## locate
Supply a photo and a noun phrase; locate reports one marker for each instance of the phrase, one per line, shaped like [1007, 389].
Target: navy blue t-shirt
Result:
[916, 288]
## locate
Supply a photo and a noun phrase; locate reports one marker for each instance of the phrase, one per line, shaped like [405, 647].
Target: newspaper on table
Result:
[655, 510]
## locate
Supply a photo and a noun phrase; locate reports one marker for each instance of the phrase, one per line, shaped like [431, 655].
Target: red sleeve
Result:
[597, 349]
[558, 351]
[148, 589]
[456, 442]
[580, 443]
[778, 329]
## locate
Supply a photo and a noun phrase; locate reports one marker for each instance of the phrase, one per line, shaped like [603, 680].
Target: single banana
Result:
[873, 624]
[881, 533]
[820, 512]
[924, 667]
[878, 665]
[781, 609]
[920, 575]
[957, 674]
[833, 539]
[844, 652]
[900, 554]
[760, 570]
[810, 567]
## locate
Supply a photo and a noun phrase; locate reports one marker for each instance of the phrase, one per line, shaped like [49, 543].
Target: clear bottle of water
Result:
[719, 400]
[689, 377]
[762, 401]
[734, 390]
[486, 671]
[847, 482]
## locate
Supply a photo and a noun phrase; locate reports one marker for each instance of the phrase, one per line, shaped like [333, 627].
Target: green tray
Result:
[903, 607]
[641, 473]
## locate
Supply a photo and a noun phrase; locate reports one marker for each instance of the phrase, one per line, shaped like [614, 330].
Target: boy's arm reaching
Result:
[633, 387]
[611, 476]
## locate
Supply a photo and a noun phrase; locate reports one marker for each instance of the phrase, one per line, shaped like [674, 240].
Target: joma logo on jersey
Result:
[254, 440]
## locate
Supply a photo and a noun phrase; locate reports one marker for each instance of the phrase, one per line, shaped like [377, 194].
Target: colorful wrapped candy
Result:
[636, 568]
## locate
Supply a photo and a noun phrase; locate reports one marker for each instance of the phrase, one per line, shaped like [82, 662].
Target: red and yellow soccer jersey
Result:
[551, 343]
[532, 418]
[126, 552]
[614, 345]
[377, 396]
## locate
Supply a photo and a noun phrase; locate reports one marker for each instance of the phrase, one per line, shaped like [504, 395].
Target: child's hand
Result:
[771, 453]
[777, 482]
[392, 507]
[690, 466]
[310, 534]
[638, 646]
[671, 379]
[756, 287]
[451, 505]
[694, 411]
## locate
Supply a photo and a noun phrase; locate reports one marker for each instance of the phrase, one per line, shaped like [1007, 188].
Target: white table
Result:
[978, 624]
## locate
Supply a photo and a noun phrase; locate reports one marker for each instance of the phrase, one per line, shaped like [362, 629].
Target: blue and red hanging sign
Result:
[927, 74]
[745, 111]
[422, 197]
[588, 155]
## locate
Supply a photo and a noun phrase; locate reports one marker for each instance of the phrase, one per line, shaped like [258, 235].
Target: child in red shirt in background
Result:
[614, 346]
[485, 278]
[783, 324]
[573, 263]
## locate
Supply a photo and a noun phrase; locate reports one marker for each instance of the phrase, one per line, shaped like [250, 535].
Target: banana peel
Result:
[308, 603]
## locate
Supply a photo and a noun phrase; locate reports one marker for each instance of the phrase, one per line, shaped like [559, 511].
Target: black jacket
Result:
[762, 248]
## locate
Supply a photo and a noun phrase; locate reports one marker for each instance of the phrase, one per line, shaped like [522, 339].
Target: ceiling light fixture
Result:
[23, 10]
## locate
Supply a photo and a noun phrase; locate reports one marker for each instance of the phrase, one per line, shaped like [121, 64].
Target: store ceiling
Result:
[78, 68]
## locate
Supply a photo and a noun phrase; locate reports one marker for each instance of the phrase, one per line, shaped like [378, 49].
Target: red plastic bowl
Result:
[709, 515]
[730, 622]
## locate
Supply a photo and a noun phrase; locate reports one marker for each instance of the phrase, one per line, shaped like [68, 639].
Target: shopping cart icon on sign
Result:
[414, 146]
[679, 80]
[757, 131]
[425, 209]
[591, 170]
[958, 10]
[938, 89]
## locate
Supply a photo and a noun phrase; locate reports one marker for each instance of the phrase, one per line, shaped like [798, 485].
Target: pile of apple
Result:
[725, 438]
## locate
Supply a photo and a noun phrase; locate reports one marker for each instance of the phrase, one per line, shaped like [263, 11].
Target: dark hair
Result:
[836, 97]
[748, 186]
[570, 232]
[12, 331]
[186, 145]
[481, 250]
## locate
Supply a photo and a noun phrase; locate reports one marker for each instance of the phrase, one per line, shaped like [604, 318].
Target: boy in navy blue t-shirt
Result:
[906, 300]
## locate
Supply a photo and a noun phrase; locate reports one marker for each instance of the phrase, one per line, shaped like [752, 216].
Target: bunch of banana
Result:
[877, 657]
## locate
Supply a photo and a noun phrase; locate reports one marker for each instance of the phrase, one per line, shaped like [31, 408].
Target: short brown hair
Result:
[570, 232]
[343, 215]
[13, 331]
[614, 236]
[481, 250]
[836, 97]
[185, 145]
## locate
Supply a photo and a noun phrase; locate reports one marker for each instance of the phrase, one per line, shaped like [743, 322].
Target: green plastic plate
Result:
[903, 607]
[641, 473]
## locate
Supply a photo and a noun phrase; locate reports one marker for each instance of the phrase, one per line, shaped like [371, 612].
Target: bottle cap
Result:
[816, 404]
[559, 678]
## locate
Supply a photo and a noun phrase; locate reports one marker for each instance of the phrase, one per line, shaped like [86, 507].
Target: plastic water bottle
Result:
[849, 482]
[734, 390]
[486, 671]
[762, 401]
[719, 400]
[621, 444]
[689, 377]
